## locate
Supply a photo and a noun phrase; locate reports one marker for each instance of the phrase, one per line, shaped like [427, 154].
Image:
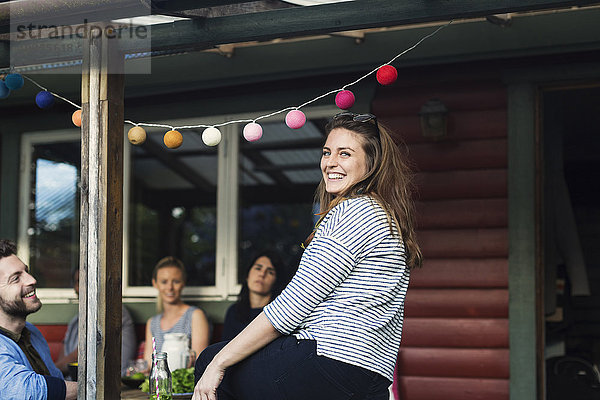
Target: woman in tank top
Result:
[175, 316]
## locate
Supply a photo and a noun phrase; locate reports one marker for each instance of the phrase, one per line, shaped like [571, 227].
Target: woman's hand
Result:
[255, 336]
[206, 388]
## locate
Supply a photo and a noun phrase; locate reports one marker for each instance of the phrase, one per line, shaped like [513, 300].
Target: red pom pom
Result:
[344, 99]
[387, 75]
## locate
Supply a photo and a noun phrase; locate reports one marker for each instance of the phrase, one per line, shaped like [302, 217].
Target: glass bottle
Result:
[160, 378]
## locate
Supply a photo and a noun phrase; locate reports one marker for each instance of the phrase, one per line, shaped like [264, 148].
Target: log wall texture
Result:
[455, 339]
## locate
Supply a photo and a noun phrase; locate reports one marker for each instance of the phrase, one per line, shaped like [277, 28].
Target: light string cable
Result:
[147, 124]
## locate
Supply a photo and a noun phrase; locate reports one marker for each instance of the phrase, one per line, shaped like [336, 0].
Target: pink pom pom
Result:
[387, 75]
[252, 132]
[344, 99]
[295, 119]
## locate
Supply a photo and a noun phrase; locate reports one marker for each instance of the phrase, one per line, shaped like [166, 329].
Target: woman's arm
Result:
[254, 337]
[200, 331]
[71, 390]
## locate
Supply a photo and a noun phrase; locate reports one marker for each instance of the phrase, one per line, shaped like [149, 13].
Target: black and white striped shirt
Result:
[348, 293]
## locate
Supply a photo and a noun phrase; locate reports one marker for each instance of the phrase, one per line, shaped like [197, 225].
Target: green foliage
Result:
[138, 375]
[181, 379]
[145, 386]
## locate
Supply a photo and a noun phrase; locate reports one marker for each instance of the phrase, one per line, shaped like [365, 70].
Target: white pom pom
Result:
[211, 136]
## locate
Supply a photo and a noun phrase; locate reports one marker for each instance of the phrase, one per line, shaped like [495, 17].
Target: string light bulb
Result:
[173, 139]
[44, 99]
[386, 75]
[14, 81]
[136, 135]
[76, 118]
[344, 99]
[295, 119]
[211, 136]
[252, 132]
[4, 90]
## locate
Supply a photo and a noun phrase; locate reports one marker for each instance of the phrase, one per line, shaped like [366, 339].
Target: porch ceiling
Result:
[222, 22]
[227, 21]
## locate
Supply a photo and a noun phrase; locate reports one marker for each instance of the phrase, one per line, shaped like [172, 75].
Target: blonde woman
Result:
[169, 279]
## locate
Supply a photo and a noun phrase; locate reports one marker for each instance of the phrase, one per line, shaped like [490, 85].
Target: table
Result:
[136, 394]
[132, 394]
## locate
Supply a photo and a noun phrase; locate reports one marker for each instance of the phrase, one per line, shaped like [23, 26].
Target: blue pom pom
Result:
[4, 91]
[44, 99]
[14, 81]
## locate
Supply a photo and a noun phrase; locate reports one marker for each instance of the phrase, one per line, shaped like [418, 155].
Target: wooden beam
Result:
[300, 21]
[184, 5]
[526, 334]
[61, 13]
[101, 226]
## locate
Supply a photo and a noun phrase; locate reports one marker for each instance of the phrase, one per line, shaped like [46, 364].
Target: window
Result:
[278, 177]
[212, 207]
[172, 208]
[49, 193]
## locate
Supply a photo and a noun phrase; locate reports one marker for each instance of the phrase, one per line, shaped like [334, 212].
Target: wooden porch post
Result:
[101, 237]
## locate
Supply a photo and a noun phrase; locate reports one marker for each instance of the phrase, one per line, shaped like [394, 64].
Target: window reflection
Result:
[278, 178]
[173, 209]
[54, 213]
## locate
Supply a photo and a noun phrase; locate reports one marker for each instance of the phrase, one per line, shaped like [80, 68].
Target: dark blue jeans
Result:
[290, 369]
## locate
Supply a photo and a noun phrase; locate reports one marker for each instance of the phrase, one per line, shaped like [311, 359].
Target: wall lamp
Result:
[433, 116]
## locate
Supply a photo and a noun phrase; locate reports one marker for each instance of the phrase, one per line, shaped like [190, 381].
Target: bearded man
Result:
[26, 368]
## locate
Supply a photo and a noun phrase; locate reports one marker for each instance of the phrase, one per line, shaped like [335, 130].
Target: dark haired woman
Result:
[262, 284]
[169, 277]
[334, 331]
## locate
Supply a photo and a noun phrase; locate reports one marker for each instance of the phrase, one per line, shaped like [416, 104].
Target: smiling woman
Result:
[335, 330]
[343, 162]
[169, 279]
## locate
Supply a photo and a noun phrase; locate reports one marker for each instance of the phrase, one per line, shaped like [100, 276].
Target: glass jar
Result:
[177, 346]
[160, 378]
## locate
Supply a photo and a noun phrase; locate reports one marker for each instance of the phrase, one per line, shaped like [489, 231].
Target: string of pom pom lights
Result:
[386, 74]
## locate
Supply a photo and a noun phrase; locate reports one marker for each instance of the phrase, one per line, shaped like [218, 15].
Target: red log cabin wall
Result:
[455, 339]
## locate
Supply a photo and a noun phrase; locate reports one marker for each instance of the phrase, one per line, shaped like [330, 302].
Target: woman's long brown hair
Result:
[388, 181]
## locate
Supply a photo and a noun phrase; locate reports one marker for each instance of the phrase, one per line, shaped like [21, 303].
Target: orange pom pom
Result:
[76, 118]
[173, 139]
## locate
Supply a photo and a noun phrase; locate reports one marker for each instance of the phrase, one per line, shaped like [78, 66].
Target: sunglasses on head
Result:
[358, 118]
